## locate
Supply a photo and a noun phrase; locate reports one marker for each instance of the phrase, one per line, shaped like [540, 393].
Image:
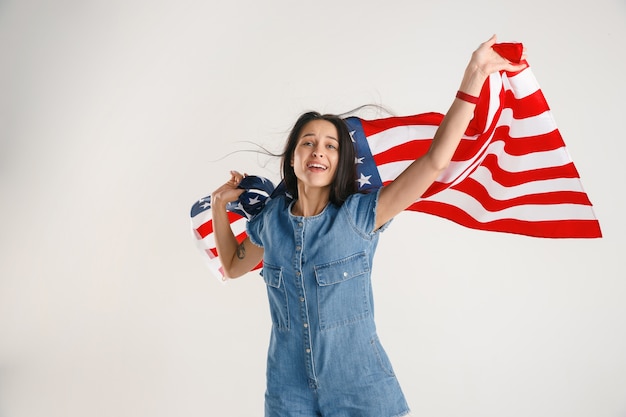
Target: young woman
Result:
[325, 358]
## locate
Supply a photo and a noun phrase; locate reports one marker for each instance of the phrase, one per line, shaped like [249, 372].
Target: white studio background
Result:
[112, 114]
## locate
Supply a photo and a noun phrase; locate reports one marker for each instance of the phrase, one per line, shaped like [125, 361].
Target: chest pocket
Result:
[277, 294]
[343, 290]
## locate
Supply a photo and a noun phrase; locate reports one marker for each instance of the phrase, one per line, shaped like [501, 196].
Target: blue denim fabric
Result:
[324, 357]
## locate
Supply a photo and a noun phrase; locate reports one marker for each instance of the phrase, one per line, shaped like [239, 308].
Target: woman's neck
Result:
[311, 202]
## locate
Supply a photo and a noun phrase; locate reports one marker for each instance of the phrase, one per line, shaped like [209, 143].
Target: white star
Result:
[364, 180]
[358, 160]
[254, 200]
[205, 205]
[352, 132]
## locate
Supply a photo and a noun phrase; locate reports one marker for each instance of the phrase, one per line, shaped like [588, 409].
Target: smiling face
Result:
[334, 165]
[316, 155]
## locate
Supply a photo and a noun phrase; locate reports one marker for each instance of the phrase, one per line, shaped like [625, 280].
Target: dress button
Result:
[345, 274]
[300, 224]
[298, 248]
[297, 273]
[302, 299]
[308, 351]
[306, 325]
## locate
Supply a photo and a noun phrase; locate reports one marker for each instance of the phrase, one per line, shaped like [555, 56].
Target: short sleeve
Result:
[269, 215]
[361, 210]
[254, 228]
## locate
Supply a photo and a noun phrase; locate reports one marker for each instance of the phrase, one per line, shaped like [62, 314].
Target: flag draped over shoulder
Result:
[250, 202]
[510, 173]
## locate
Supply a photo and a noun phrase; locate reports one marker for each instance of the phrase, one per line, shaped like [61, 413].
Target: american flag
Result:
[511, 172]
[258, 190]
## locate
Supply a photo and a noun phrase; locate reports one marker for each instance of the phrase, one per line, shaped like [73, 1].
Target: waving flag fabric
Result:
[250, 202]
[202, 226]
[511, 172]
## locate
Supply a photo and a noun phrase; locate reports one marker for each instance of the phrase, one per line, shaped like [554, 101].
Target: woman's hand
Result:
[485, 61]
[229, 191]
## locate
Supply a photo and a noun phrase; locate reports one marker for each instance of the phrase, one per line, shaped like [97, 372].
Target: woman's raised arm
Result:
[418, 176]
[236, 258]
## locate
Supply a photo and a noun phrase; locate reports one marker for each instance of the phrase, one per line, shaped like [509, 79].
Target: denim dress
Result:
[324, 358]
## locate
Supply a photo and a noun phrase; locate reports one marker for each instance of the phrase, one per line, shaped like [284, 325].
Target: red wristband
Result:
[466, 97]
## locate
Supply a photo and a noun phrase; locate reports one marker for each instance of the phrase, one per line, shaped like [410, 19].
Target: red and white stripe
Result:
[511, 173]
[202, 227]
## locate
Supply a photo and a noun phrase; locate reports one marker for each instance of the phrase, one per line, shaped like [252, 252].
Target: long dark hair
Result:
[344, 183]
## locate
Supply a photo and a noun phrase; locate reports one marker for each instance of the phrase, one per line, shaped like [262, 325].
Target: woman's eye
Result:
[331, 146]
